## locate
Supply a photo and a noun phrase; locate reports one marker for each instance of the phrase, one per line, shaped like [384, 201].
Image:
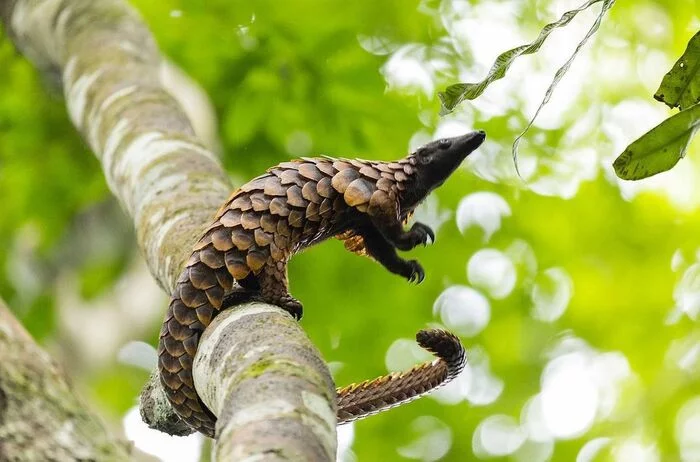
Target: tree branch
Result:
[40, 417]
[171, 186]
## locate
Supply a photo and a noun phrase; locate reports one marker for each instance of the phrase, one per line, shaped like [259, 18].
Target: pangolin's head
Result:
[434, 163]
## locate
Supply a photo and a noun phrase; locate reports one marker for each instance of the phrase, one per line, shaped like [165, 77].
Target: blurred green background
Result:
[577, 294]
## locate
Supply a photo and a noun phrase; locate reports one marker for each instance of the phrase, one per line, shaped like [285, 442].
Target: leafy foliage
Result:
[681, 86]
[662, 147]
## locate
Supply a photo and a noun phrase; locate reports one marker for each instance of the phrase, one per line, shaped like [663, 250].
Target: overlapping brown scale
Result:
[173, 346]
[194, 258]
[312, 212]
[182, 313]
[288, 165]
[379, 202]
[201, 276]
[310, 171]
[211, 257]
[177, 330]
[325, 188]
[230, 218]
[236, 265]
[358, 192]
[343, 178]
[185, 361]
[382, 166]
[215, 295]
[170, 379]
[179, 398]
[296, 218]
[242, 203]
[275, 171]
[283, 228]
[170, 364]
[190, 343]
[224, 278]
[262, 238]
[384, 184]
[191, 296]
[357, 163]
[259, 201]
[221, 239]
[342, 164]
[388, 175]
[294, 197]
[276, 253]
[291, 177]
[205, 313]
[273, 187]
[250, 221]
[184, 276]
[255, 184]
[408, 169]
[268, 223]
[278, 206]
[326, 167]
[241, 238]
[203, 242]
[309, 192]
[256, 259]
[399, 175]
[281, 241]
[192, 401]
[370, 172]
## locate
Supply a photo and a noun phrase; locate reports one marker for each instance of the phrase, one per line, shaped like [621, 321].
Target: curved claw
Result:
[417, 274]
[421, 233]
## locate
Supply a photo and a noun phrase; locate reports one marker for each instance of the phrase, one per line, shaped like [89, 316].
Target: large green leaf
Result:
[681, 86]
[660, 148]
[455, 94]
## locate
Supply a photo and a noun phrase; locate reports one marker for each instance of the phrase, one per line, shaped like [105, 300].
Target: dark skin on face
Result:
[435, 162]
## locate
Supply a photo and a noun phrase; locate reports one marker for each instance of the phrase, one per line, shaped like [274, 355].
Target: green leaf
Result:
[660, 148]
[455, 94]
[681, 86]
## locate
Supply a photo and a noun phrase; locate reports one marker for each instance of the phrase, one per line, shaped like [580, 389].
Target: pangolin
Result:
[292, 206]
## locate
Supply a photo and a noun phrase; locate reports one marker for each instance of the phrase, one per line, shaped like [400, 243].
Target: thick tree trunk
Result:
[170, 185]
[40, 417]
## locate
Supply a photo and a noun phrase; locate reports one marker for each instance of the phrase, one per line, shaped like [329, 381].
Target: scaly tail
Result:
[360, 400]
[196, 299]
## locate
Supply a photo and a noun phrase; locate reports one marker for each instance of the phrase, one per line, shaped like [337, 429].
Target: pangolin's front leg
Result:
[274, 288]
[405, 240]
[384, 252]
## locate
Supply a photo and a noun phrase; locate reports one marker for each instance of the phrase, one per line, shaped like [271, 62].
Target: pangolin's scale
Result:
[293, 205]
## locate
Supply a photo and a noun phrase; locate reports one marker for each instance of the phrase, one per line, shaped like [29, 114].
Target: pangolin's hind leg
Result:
[274, 288]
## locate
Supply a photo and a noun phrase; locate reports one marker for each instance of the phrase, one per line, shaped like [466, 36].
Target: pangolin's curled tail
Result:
[357, 401]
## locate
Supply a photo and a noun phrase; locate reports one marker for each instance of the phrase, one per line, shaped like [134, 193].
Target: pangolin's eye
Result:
[444, 144]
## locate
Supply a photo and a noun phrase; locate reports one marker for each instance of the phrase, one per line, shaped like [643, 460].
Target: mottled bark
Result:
[255, 366]
[40, 416]
[169, 184]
